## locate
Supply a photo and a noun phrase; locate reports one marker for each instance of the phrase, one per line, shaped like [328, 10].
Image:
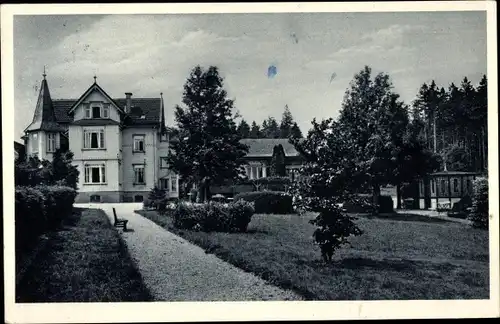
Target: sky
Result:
[314, 55]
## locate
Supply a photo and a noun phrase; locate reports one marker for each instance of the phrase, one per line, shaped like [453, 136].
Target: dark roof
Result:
[150, 107]
[18, 145]
[61, 109]
[263, 147]
[95, 122]
[44, 117]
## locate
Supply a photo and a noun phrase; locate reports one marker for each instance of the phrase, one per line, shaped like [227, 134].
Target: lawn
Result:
[86, 261]
[395, 259]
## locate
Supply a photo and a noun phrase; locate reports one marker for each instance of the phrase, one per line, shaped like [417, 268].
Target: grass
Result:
[86, 261]
[395, 259]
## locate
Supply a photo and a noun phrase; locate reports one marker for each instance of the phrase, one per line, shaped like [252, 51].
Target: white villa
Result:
[120, 146]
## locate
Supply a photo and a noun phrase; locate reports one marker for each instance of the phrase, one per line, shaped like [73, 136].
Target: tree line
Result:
[270, 127]
[454, 123]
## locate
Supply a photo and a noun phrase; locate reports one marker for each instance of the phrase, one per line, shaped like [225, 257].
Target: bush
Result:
[386, 204]
[363, 203]
[40, 209]
[30, 219]
[214, 216]
[479, 215]
[359, 204]
[460, 208]
[193, 195]
[268, 202]
[272, 183]
[58, 203]
[156, 198]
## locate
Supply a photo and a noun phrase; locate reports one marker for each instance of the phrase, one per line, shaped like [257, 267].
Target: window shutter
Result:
[105, 111]
[87, 174]
[86, 109]
[101, 139]
[103, 173]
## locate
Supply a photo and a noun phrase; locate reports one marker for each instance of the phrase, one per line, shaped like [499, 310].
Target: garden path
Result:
[175, 270]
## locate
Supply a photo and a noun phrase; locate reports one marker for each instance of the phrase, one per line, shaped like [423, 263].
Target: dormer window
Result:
[96, 110]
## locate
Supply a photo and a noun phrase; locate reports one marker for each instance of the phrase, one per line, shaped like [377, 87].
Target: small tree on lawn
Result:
[208, 150]
[328, 179]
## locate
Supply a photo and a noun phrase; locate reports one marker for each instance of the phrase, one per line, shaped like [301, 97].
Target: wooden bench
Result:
[119, 222]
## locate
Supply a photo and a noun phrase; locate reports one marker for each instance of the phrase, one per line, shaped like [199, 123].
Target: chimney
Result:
[128, 96]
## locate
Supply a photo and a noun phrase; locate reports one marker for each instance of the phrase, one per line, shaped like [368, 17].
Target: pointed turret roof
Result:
[44, 118]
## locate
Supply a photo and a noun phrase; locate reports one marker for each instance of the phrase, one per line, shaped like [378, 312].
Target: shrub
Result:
[58, 203]
[359, 204]
[363, 203]
[193, 195]
[214, 216]
[386, 204]
[29, 216]
[272, 183]
[156, 198]
[479, 215]
[268, 202]
[459, 209]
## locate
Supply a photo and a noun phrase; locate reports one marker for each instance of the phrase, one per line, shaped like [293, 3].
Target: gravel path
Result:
[175, 270]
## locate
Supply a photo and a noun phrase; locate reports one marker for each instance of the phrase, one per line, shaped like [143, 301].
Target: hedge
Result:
[214, 216]
[40, 209]
[479, 215]
[364, 204]
[268, 202]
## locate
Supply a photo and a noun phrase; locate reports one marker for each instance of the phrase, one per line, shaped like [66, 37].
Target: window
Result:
[173, 183]
[433, 182]
[105, 112]
[96, 112]
[139, 143]
[443, 187]
[165, 184]
[34, 143]
[469, 185]
[93, 139]
[95, 174]
[139, 174]
[138, 198]
[163, 163]
[247, 170]
[51, 142]
[455, 185]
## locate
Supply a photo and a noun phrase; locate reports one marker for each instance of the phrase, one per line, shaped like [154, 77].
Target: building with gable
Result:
[120, 145]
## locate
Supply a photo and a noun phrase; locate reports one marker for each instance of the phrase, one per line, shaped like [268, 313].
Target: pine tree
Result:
[295, 131]
[286, 123]
[244, 129]
[255, 131]
[270, 128]
[209, 149]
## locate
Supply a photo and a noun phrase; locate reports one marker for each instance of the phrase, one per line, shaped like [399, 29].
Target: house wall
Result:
[129, 158]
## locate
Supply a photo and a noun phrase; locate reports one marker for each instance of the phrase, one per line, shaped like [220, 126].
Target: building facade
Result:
[120, 145]
[447, 188]
[260, 154]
